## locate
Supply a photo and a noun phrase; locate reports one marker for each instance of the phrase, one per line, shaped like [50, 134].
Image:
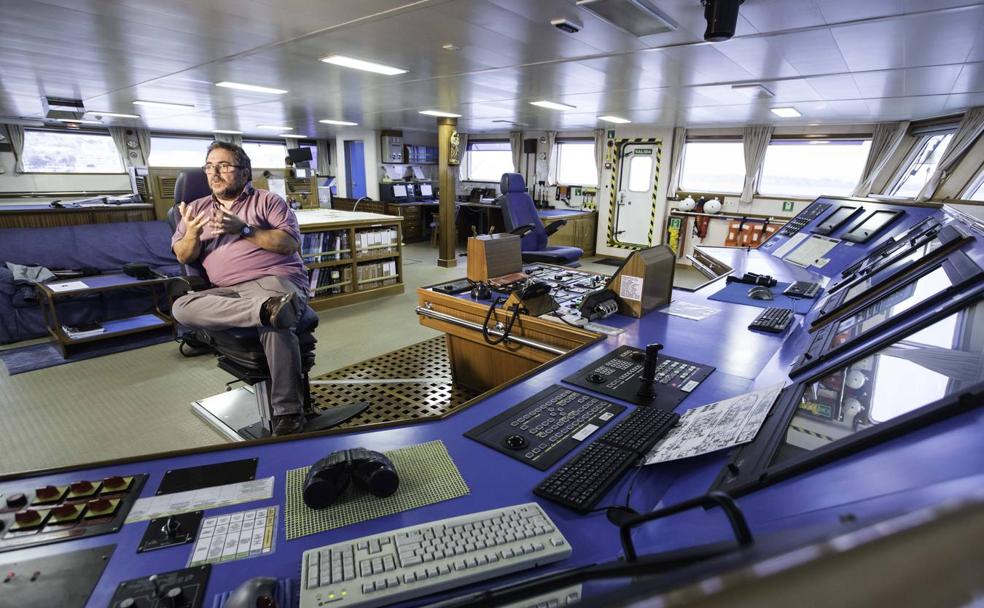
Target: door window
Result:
[640, 173]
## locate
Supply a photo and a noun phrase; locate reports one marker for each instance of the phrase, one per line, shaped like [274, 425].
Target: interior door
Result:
[634, 205]
[355, 169]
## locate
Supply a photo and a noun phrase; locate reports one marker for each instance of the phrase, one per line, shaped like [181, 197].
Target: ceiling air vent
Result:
[62, 108]
[638, 17]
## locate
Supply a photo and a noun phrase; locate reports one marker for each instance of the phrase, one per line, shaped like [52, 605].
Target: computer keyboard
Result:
[803, 289]
[774, 320]
[582, 481]
[419, 560]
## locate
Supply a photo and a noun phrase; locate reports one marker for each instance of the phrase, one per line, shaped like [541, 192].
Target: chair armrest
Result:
[521, 230]
[554, 226]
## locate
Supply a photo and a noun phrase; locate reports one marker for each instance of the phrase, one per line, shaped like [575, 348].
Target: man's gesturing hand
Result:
[194, 224]
[225, 222]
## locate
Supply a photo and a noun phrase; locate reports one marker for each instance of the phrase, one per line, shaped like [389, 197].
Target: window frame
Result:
[560, 141]
[154, 136]
[975, 185]
[469, 158]
[267, 142]
[805, 140]
[713, 140]
[123, 168]
[922, 137]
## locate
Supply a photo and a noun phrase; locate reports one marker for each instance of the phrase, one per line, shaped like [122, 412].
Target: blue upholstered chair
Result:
[521, 217]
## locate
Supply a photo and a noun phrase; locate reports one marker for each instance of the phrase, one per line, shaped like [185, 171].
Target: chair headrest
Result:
[191, 184]
[512, 182]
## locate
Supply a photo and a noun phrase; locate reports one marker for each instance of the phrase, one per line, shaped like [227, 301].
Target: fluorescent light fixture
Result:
[227, 131]
[291, 136]
[75, 121]
[552, 105]
[440, 114]
[343, 123]
[249, 87]
[114, 114]
[162, 104]
[275, 127]
[786, 112]
[615, 119]
[360, 64]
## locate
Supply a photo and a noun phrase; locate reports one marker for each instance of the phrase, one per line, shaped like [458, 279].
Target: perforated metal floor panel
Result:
[412, 383]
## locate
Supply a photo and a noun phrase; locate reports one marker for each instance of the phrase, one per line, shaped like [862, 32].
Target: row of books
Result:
[329, 281]
[83, 330]
[330, 245]
[378, 240]
[382, 272]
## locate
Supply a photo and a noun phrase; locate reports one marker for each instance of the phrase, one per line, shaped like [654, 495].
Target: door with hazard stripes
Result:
[634, 207]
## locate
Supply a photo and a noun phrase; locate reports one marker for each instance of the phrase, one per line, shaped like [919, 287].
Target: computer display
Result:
[916, 370]
[871, 226]
[302, 172]
[426, 191]
[399, 191]
[835, 219]
[300, 155]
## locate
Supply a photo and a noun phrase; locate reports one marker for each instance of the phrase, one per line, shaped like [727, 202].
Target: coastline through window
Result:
[576, 163]
[488, 160]
[66, 152]
[809, 168]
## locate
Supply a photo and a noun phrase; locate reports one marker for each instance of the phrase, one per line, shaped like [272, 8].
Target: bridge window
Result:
[576, 163]
[809, 168]
[713, 166]
[178, 151]
[920, 164]
[67, 152]
[488, 160]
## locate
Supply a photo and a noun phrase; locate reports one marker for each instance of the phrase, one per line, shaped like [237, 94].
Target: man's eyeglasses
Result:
[220, 167]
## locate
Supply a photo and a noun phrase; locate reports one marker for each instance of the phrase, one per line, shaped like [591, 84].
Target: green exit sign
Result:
[787, 205]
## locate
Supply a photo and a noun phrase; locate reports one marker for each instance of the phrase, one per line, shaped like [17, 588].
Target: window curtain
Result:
[756, 142]
[3, 137]
[599, 153]
[324, 157]
[464, 170]
[229, 138]
[143, 141]
[676, 160]
[516, 147]
[551, 158]
[885, 142]
[966, 136]
[15, 133]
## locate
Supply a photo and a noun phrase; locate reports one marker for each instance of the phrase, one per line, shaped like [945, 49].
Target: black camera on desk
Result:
[328, 478]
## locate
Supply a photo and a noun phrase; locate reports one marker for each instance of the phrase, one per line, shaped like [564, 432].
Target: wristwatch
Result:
[246, 231]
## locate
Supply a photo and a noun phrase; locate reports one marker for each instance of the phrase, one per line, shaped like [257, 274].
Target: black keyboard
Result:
[454, 287]
[583, 480]
[803, 289]
[773, 320]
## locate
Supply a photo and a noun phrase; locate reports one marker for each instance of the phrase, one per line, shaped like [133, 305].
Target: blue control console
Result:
[881, 415]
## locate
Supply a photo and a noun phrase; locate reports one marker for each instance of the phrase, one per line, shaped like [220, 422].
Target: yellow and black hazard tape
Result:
[613, 203]
[811, 433]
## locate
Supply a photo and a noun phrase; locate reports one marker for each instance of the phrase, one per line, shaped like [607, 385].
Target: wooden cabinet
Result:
[46, 217]
[580, 230]
[350, 257]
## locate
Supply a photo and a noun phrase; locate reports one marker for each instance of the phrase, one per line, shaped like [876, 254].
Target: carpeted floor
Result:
[42, 356]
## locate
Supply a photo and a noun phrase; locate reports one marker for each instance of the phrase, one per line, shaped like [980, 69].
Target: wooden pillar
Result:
[447, 176]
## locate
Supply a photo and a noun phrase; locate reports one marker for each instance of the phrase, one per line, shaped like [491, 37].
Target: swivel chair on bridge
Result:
[521, 217]
[241, 354]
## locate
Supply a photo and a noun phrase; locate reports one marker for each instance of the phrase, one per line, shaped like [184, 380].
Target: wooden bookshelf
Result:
[362, 254]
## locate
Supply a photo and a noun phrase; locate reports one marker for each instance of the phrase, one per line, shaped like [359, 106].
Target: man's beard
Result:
[228, 190]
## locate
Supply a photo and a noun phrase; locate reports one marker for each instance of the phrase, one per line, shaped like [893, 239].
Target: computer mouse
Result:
[258, 592]
[760, 293]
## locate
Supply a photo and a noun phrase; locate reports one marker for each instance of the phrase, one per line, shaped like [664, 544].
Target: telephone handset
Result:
[533, 289]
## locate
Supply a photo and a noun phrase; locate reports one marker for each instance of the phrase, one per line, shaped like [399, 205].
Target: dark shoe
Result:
[288, 424]
[279, 312]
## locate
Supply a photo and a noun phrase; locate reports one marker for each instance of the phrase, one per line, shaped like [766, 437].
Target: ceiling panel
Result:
[778, 15]
[838, 11]
[913, 81]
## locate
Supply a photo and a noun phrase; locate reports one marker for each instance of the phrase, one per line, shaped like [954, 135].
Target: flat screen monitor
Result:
[835, 219]
[399, 191]
[300, 155]
[302, 173]
[426, 191]
[931, 370]
[872, 225]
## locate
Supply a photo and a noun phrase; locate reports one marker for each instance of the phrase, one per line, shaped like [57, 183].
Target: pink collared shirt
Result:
[229, 259]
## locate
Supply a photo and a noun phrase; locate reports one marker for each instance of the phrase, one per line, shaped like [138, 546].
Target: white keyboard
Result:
[419, 560]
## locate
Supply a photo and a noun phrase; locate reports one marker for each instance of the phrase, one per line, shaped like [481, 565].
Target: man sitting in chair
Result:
[247, 240]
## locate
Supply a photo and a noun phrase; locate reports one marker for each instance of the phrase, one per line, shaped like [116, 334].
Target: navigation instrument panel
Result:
[872, 225]
[931, 371]
[834, 221]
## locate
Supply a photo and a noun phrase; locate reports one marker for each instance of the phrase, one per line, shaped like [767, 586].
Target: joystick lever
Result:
[647, 383]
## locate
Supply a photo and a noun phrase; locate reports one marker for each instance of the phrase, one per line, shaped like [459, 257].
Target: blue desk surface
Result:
[936, 462]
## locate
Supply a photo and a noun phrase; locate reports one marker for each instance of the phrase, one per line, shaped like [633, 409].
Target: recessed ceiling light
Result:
[79, 122]
[292, 136]
[114, 114]
[275, 127]
[162, 104]
[227, 131]
[615, 119]
[360, 64]
[249, 87]
[553, 105]
[440, 114]
[343, 123]
[786, 112]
